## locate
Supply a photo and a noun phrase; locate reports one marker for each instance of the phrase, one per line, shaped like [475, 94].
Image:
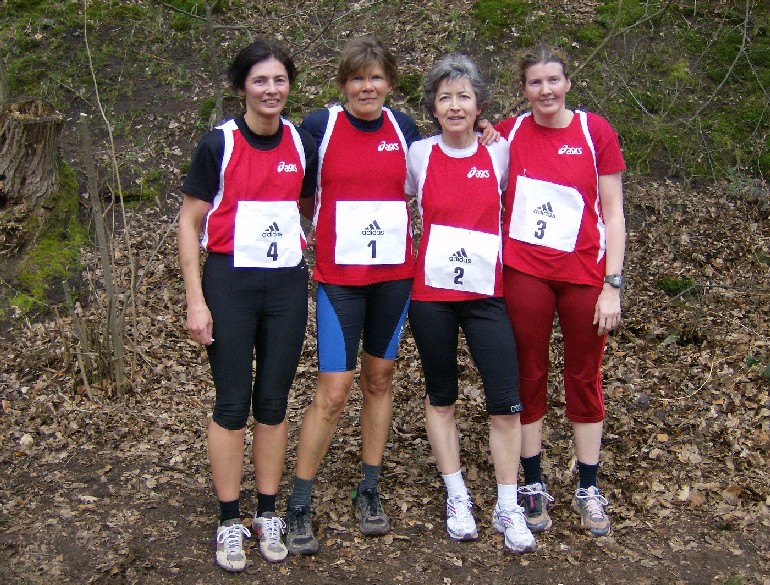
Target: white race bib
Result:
[546, 214]
[461, 259]
[267, 235]
[371, 232]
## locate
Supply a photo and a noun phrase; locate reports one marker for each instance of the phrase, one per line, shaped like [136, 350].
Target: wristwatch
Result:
[614, 280]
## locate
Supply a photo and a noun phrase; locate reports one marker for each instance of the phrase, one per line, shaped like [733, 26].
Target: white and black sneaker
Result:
[268, 529]
[230, 555]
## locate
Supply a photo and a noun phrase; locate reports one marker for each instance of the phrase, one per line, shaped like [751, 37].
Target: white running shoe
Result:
[513, 524]
[459, 520]
[230, 555]
[268, 529]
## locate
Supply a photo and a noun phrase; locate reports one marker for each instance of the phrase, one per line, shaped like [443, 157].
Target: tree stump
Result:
[29, 135]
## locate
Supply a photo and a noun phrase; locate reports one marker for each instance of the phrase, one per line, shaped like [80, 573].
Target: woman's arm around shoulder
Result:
[315, 124]
[408, 127]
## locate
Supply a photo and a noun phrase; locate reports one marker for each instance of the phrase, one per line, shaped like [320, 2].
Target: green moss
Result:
[673, 286]
[26, 6]
[590, 34]
[26, 74]
[150, 185]
[23, 302]
[56, 251]
[410, 84]
[495, 16]
[205, 112]
[181, 21]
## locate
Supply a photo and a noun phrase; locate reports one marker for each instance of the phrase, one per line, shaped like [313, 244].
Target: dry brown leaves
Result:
[685, 462]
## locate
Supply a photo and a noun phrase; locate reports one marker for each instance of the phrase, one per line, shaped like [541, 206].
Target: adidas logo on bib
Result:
[545, 209]
[272, 231]
[373, 229]
[460, 256]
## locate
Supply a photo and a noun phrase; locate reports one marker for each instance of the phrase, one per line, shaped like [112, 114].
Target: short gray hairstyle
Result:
[454, 66]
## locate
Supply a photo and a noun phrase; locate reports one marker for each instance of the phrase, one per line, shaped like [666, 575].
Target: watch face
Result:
[615, 280]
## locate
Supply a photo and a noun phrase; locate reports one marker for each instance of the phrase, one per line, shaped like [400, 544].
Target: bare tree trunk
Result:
[29, 135]
[4, 95]
[218, 108]
[113, 333]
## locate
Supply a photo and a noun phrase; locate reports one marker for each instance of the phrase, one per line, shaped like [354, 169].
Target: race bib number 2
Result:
[461, 259]
[371, 232]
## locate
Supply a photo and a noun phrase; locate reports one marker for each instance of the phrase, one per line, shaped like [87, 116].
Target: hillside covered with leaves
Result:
[98, 488]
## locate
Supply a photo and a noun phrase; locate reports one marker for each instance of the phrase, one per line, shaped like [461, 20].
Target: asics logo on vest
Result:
[478, 173]
[567, 149]
[460, 256]
[373, 229]
[272, 231]
[287, 167]
[388, 146]
[545, 209]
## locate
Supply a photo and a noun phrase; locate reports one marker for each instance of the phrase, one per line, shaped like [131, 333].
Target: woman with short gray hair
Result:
[458, 182]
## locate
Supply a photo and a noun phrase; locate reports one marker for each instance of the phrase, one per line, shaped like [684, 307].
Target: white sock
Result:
[507, 495]
[455, 485]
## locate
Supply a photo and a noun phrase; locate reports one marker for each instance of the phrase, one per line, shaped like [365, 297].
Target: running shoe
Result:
[460, 523]
[589, 503]
[268, 529]
[370, 514]
[534, 498]
[300, 539]
[513, 525]
[230, 555]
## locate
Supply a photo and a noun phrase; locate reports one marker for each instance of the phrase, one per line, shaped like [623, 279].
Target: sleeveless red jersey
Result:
[250, 174]
[460, 202]
[360, 188]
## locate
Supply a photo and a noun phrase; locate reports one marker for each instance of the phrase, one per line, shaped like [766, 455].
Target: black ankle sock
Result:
[265, 503]
[371, 475]
[229, 510]
[302, 493]
[531, 467]
[587, 474]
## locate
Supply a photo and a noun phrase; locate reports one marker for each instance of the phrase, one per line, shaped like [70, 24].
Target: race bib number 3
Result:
[460, 259]
[371, 232]
[546, 214]
[267, 235]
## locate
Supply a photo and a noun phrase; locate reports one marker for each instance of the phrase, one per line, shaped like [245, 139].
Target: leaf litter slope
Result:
[118, 491]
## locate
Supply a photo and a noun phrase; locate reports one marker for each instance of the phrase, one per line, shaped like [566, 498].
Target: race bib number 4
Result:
[546, 214]
[371, 232]
[461, 259]
[267, 235]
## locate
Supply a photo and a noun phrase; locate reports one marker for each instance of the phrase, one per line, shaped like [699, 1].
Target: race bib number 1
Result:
[371, 232]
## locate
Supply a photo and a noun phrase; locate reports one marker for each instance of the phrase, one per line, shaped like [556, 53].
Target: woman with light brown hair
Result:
[563, 249]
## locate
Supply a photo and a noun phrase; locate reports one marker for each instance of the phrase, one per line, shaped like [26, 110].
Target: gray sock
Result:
[302, 493]
[371, 477]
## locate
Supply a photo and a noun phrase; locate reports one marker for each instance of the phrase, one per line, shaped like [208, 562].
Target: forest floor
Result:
[117, 490]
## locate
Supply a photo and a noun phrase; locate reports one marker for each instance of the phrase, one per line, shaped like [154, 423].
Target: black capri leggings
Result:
[435, 327]
[260, 311]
